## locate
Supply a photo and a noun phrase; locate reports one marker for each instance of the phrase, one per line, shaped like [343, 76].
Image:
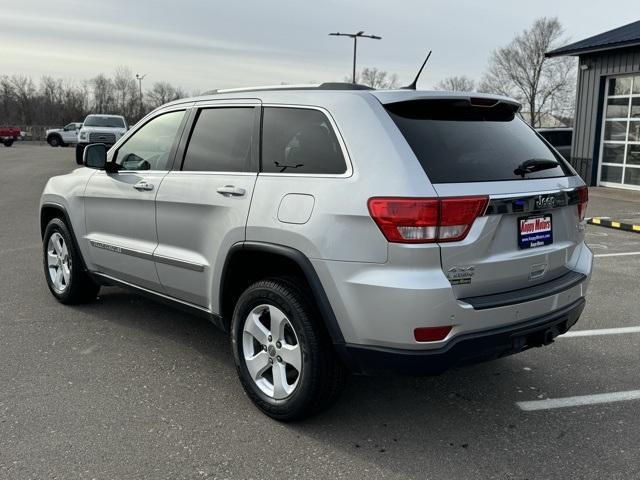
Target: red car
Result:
[8, 135]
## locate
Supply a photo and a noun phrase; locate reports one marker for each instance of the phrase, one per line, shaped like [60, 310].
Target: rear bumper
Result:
[464, 349]
[381, 304]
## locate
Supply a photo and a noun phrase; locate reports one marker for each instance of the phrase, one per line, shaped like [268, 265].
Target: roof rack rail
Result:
[317, 86]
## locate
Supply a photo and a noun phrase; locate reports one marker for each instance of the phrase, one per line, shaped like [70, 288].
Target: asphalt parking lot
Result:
[127, 388]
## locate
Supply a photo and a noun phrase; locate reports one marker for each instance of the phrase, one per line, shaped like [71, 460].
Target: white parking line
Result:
[600, 331]
[551, 403]
[624, 254]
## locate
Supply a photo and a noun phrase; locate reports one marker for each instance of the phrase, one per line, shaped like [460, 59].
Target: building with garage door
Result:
[606, 140]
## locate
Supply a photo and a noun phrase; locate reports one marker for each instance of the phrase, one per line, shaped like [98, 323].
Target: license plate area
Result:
[535, 231]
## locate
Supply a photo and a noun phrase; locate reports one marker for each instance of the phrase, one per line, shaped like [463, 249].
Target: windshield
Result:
[456, 142]
[100, 121]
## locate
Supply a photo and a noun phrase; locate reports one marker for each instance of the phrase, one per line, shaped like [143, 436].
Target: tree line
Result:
[55, 102]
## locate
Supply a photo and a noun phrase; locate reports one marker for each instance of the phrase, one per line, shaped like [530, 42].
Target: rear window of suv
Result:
[457, 142]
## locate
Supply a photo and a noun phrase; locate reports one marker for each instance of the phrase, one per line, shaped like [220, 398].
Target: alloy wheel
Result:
[271, 351]
[58, 262]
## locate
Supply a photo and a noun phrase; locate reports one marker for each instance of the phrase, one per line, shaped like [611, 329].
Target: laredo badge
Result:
[460, 275]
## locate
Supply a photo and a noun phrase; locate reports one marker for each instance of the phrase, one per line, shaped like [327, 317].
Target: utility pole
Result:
[355, 37]
[140, 78]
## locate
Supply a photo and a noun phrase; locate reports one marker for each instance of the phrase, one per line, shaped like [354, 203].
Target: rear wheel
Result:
[283, 355]
[8, 142]
[63, 270]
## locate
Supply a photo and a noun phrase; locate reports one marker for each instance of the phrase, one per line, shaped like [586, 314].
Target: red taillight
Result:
[431, 334]
[583, 200]
[426, 220]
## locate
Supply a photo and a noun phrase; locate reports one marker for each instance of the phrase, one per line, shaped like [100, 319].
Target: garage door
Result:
[620, 148]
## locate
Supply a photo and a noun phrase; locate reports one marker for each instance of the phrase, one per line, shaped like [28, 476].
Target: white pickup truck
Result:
[61, 137]
[107, 129]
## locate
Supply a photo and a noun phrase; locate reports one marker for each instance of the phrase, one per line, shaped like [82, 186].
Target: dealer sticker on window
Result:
[535, 231]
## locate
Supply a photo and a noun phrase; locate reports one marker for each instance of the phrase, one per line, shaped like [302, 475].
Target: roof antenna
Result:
[412, 85]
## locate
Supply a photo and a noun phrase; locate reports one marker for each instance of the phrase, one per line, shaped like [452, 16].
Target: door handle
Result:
[231, 190]
[143, 186]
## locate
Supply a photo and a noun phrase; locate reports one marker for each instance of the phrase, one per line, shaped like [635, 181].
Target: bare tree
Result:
[520, 70]
[24, 91]
[456, 84]
[375, 78]
[103, 94]
[126, 91]
[161, 93]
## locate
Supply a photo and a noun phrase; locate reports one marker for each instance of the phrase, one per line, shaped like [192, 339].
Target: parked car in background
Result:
[331, 228]
[8, 135]
[61, 137]
[560, 138]
[107, 129]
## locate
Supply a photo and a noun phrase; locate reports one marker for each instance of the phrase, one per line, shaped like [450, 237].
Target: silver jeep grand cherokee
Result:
[331, 229]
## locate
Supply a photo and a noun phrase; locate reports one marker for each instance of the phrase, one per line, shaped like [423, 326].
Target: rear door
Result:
[531, 228]
[203, 204]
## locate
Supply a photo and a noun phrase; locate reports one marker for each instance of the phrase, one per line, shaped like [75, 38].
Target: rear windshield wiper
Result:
[534, 165]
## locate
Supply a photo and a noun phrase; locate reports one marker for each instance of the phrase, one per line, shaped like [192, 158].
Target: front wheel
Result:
[8, 142]
[54, 141]
[63, 269]
[283, 355]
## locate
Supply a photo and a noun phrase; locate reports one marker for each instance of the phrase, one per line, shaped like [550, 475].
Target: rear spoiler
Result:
[456, 108]
[395, 96]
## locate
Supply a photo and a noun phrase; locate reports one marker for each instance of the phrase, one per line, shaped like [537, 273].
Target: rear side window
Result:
[456, 142]
[221, 140]
[299, 140]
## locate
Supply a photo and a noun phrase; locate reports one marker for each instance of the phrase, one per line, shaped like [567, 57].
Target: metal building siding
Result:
[589, 103]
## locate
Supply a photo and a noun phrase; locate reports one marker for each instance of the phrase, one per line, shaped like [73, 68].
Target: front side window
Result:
[221, 140]
[300, 140]
[149, 147]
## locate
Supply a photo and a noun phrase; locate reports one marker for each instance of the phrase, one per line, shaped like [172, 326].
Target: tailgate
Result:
[525, 238]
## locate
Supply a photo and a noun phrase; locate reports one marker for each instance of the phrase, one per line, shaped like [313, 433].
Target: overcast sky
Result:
[205, 44]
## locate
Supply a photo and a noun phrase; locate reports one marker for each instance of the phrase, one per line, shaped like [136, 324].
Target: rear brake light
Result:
[431, 334]
[583, 199]
[426, 220]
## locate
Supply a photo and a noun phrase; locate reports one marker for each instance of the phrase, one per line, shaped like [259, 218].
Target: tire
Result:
[8, 142]
[79, 153]
[320, 377]
[63, 267]
[54, 141]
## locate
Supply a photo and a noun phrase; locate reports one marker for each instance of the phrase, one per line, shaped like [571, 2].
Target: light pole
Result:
[355, 37]
[140, 78]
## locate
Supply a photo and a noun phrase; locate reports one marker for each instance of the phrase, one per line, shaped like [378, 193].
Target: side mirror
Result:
[95, 156]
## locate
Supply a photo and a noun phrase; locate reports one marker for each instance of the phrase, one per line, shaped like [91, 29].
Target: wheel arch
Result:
[51, 210]
[263, 257]
[55, 134]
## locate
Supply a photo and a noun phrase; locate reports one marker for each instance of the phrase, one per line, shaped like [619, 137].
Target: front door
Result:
[120, 207]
